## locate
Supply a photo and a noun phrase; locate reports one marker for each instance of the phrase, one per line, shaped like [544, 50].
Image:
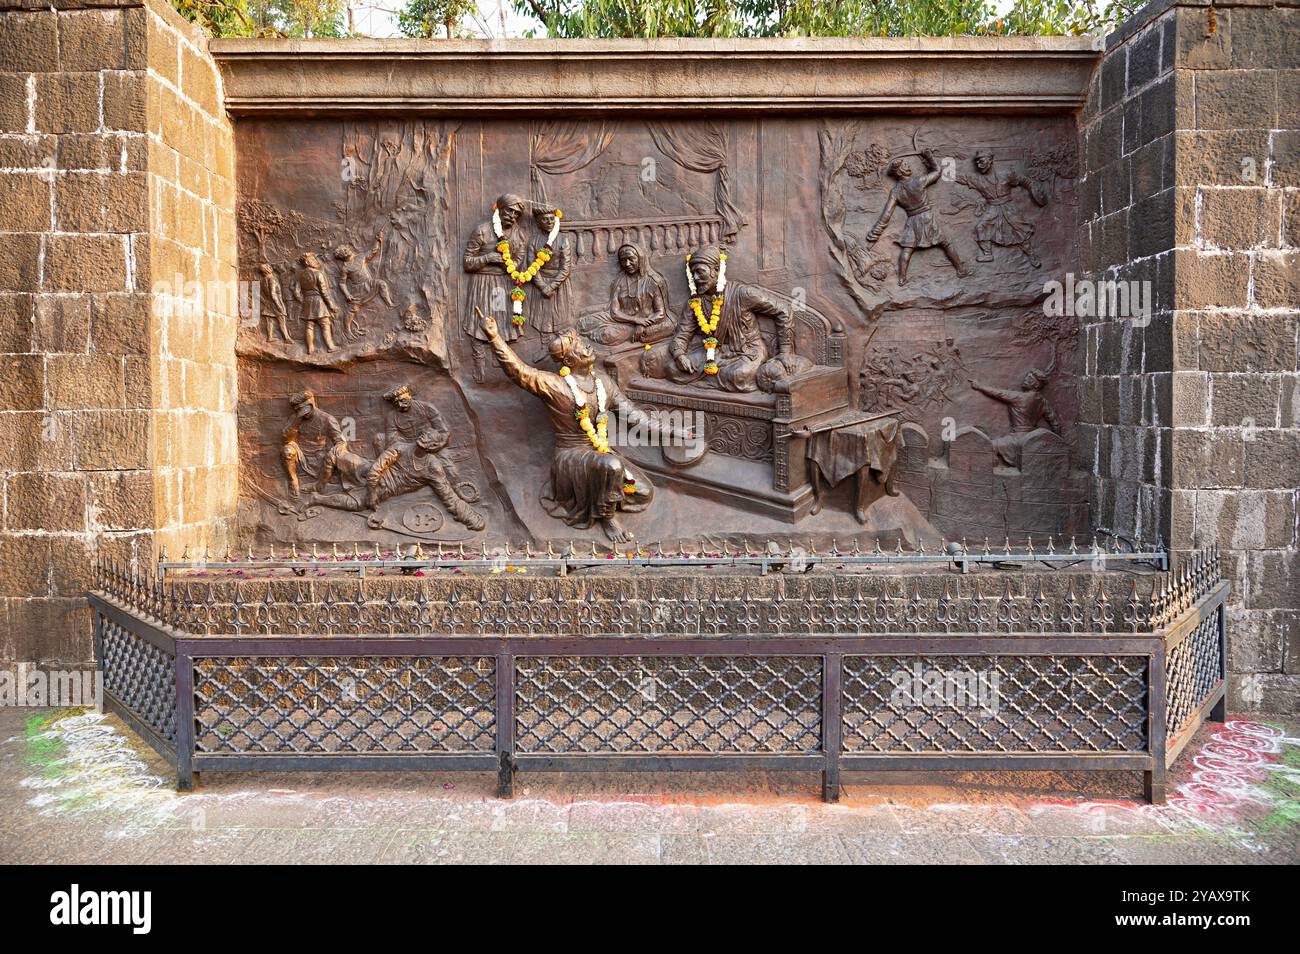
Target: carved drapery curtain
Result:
[561, 148]
[702, 148]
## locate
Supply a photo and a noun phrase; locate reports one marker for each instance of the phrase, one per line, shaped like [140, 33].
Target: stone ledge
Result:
[1008, 74]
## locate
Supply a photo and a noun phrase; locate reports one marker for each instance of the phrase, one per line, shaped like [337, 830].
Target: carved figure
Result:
[994, 224]
[358, 284]
[405, 420]
[489, 283]
[550, 310]
[921, 230]
[741, 360]
[313, 290]
[590, 483]
[400, 470]
[274, 312]
[320, 432]
[638, 303]
[1027, 409]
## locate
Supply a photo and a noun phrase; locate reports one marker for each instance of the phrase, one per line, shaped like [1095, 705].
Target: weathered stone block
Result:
[1277, 280]
[85, 263]
[1265, 39]
[1211, 279]
[1237, 342]
[121, 500]
[120, 323]
[62, 323]
[1246, 520]
[1204, 40]
[111, 440]
[103, 202]
[41, 501]
[26, 560]
[1273, 459]
[24, 201]
[22, 382]
[1236, 99]
[1207, 459]
[35, 440]
[76, 381]
[1239, 218]
[67, 102]
[29, 42]
[1144, 59]
[92, 40]
[125, 101]
[1221, 157]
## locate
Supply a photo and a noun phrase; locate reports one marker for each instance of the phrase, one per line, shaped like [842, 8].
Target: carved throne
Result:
[753, 461]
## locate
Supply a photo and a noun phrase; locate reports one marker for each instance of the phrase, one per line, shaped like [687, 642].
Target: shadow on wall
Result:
[975, 486]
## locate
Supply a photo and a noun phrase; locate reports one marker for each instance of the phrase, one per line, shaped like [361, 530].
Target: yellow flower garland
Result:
[527, 275]
[708, 326]
[597, 433]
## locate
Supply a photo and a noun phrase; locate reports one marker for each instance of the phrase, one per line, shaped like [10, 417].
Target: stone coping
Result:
[615, 77]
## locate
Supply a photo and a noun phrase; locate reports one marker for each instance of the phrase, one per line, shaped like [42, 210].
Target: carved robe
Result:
[489, 284]
[549, 302]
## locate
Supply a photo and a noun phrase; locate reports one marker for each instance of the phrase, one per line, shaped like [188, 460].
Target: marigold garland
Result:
[708, 326]
[598, 432]
[527, 275]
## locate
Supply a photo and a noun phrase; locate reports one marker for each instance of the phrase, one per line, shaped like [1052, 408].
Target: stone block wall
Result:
[116, 404]
[1192, 155]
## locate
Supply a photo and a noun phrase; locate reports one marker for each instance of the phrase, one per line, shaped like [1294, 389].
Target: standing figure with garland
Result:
[490, 284]
[590, 484]
[718, 340]
[552, 307]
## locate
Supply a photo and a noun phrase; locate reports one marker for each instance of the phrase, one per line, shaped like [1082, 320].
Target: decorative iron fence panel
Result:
[140, 676]
[1195, 672]
[933, 703]
[684, 704]
[344, 704]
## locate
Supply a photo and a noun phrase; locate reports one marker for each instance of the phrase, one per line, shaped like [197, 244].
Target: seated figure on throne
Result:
[638, 304]
[590, 484]
[718, 342]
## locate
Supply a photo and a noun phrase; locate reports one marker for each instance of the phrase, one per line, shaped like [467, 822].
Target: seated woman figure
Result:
[638, 304]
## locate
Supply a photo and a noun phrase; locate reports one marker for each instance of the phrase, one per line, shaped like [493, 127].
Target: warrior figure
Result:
[358, 284]
[920, 230]
[319, 431]
[1027, 409]
[368, 483]
[994, 224]
[313, 290]
[274, 312]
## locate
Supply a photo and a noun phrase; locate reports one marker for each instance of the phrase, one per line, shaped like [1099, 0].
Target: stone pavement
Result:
[79, 788]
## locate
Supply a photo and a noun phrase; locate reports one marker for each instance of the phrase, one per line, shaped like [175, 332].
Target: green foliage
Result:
[268, 18]
[765, 18]
[429, 18]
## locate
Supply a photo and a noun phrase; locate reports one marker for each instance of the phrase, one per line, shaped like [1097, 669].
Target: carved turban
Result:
[564, 347]
[394, 393]
[302, 398]
[1036, 378]
[511, 201]
[710, 253]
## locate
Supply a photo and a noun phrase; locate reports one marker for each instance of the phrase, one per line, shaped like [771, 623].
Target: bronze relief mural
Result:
[656, 331]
